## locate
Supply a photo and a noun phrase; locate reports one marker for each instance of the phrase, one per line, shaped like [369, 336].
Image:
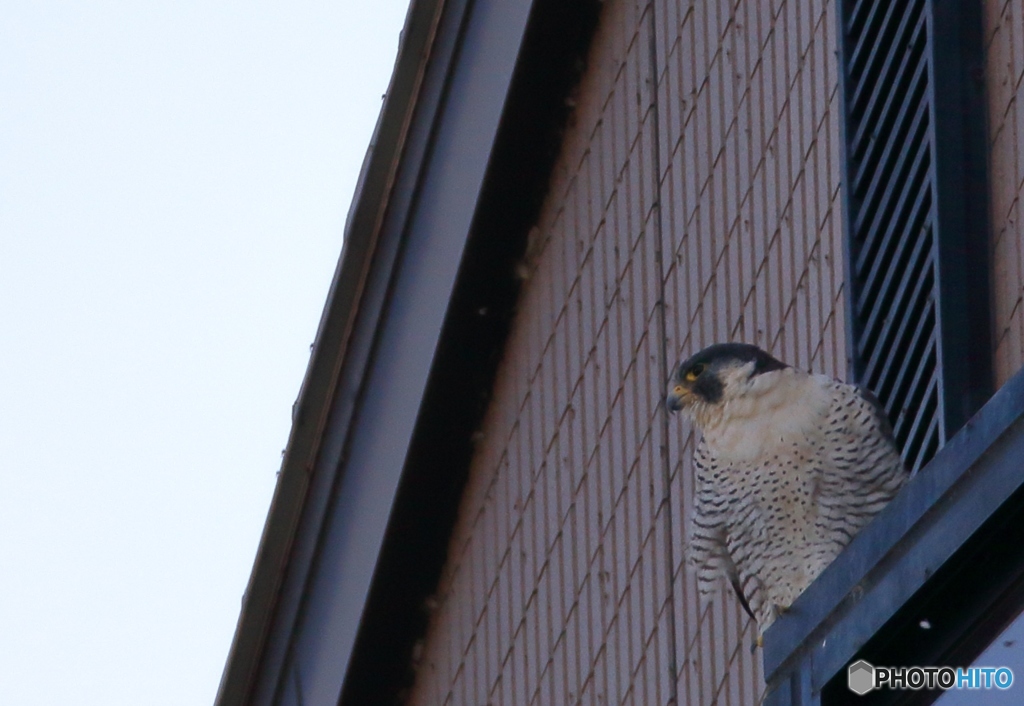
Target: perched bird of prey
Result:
[790, 466]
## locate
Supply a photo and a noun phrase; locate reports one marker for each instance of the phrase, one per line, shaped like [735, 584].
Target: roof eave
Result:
[313, 404]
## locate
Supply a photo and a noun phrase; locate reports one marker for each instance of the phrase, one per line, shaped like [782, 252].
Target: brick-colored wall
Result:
[1004, 50]
[566, 579]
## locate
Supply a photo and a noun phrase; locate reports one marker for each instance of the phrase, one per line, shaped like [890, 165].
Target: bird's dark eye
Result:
[694, 372]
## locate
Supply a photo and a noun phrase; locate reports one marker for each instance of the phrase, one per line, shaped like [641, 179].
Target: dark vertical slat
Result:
[894, 161]
[930, 437]
[882, 57]
[872, 39]
[924, 374]
[893, 366]
[873, 84]
[912, 284]
[857, 16]
[905, 386]
[961, 210]
[879, 144]
[913, 188]
[900, 230]
[925, 423]
[884, 315]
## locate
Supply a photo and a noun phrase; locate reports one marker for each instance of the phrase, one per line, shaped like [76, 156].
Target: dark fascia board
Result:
[937, 512]
[403, 243]
[396, 614]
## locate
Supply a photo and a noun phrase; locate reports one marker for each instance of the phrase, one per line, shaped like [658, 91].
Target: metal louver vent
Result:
[916, 244]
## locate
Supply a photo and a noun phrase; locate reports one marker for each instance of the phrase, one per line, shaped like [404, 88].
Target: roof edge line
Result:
[312, 407]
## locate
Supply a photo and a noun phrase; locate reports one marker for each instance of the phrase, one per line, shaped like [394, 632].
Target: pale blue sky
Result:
[174, 179]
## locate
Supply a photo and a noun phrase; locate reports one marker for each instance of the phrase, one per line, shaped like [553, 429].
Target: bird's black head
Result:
[702, 377]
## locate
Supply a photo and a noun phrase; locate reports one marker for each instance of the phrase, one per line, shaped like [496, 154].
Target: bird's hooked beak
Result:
[677, 396]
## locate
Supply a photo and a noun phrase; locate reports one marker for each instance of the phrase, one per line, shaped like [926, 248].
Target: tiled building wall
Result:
[1004, 49]
[566, 580]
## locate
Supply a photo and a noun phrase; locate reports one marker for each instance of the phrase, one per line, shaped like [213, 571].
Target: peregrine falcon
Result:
[789, 467]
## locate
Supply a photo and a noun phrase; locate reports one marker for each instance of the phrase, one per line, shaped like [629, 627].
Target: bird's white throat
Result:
[757, 414]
